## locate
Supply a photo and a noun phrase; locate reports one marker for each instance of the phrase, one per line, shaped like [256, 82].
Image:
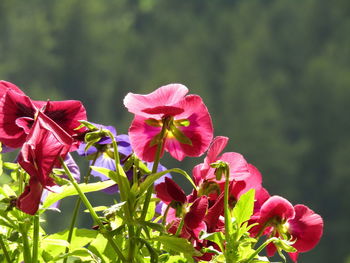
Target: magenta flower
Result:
[17, 114]
[278, 217]
[188, 125]
[46, 142]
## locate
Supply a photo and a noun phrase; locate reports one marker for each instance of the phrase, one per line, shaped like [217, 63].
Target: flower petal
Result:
[5, 85]
[195, 216]
[45, 144]
[141, 135]
[164, 96]
[29, 200]
[12, 107]
[306, 227]
[276, 207]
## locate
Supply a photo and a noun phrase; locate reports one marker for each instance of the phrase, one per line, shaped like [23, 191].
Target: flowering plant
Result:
[228, 217]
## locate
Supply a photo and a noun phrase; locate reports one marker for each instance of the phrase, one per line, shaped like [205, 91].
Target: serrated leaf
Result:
[243, 209]
[69, 190]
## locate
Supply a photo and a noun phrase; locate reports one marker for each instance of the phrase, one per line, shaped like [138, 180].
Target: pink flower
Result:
[278, 217]
[243, 176]
[17, 114]
[188, 125]
[46, 142]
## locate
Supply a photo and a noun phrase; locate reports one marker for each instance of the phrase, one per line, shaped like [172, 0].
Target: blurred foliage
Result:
[275, 75]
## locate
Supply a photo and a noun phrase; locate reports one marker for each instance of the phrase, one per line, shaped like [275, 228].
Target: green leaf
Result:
[69, 190]
[243, 209]
[100, 247]
[178, 244]
[217, 237]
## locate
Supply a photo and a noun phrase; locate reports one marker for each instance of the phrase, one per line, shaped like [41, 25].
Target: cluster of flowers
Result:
[166, 120]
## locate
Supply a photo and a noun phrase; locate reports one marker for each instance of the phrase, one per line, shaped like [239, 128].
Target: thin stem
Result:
[179, 229]
[76, 210]
[228, 229]
[93, 214]
[4, 249]
[72, 224]
[154, 170]
[26, 249]
[259, 249]
[36, 238]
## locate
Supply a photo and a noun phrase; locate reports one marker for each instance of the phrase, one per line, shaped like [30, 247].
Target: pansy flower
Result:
[185, 121]
[46, 143]
[278, 217]
[18, 111]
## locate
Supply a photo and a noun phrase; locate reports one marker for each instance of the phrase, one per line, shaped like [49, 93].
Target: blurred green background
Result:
[275, 75]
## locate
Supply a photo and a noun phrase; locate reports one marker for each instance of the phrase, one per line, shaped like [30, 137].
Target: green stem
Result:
[76, 210]
[26, 249]
[72, 224]
[228, 227]
[154, 170]
[259, 249]
[4, 249]
[179, 229]
[93, 214]
[36, 238]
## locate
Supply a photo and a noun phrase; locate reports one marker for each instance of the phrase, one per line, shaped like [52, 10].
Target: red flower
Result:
[17, 113]
[188, 124]
[279, 218]
[45, 143]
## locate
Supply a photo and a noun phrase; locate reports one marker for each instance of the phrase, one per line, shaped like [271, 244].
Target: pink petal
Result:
[175, 148]
[306, 227]
[216, 147]
[276, 207]
[5, 85]
[200, 129]
[294, 256]
[141, 135]
[164, 96]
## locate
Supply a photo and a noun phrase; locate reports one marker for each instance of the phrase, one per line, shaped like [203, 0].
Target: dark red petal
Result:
[45, 144]
[13, 106]
[306, 227]
[29, 200]
[197, 212]
[164, 110]
[213, 214]
[162, 193]
[175, 191]
[66, 114]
